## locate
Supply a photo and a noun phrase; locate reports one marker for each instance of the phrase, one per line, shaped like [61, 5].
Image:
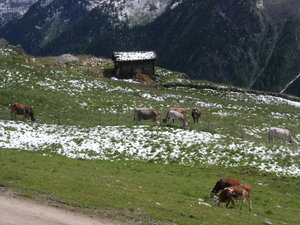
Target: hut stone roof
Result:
[133, 56]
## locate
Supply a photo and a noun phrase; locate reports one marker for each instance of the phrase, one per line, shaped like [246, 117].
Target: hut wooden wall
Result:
[129, 68]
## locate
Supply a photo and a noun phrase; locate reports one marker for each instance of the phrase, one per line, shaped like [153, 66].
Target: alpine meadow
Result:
[86, 153]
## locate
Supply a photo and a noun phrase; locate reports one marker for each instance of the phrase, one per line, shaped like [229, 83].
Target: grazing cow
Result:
[230, 194]
[174, 115]
[223, 183]
[181, 110]
[280, 133]
[21, 109]
[146, 114]
[196, 113]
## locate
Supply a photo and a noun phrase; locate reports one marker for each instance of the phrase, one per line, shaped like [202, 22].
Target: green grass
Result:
[134, 191]
[146, 192]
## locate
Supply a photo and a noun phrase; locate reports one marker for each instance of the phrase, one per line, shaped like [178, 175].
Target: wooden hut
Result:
[128, 64]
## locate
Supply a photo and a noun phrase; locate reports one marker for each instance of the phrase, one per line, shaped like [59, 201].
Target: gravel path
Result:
[14, 211]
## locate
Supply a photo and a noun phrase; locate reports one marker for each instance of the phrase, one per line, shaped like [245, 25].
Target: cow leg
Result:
[270, 137]
[227, 203]
[250, 204]
[243, 201]
[233, 203]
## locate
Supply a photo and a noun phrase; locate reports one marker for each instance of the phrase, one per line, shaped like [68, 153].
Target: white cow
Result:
[281, 133]
[174, 115]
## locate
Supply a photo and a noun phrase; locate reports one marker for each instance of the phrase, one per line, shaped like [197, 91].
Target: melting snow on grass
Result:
[156, 144]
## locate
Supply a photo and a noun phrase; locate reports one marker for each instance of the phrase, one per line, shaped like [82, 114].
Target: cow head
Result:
[293, 141]
[33, 118]
[216, 200]
[212, 193]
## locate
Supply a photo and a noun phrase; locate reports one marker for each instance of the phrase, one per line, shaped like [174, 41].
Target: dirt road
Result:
[15, 211]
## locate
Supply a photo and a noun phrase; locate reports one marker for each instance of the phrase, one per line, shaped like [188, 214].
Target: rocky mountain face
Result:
[252, 44]
[13, 9]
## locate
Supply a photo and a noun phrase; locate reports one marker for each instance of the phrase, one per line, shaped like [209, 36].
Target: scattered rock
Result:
[268, 222]
[92, 61]
[203, 203]
[30, 60]
[3, 43]
[66, 58]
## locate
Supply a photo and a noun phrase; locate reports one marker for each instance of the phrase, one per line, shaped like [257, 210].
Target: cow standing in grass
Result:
[284, 134]
[174, 115]
[21, 109]
[181, 110]
[146, 114]
[223, 183]
[233, 193]
[196, 113]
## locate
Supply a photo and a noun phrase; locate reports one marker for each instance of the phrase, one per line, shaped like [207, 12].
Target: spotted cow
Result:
[233, 193]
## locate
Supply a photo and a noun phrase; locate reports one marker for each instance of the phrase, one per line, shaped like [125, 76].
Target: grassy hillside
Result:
[99, 161]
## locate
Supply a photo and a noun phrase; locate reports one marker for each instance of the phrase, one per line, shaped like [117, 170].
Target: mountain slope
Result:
[41, 24]
[13, 9]
[198, 38]
[283, 66]
[251, 44]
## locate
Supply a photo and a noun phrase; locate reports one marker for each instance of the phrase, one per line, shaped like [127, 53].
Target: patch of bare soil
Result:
[143, 78]
[18, 211]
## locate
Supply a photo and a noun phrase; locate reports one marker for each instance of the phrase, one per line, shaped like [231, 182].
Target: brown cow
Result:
[181, 110]
[196, 113]
[230, 194]
[146, 114]
[21, 109]
[223, 183]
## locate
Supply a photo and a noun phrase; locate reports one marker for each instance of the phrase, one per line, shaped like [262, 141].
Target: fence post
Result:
[241, 131]
[59, 119]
